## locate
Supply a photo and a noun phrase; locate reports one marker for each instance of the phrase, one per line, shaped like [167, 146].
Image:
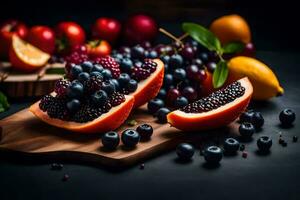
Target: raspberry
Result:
[139, 73]
[149, 64]
[61, 87]
[93, 84]
[76, 58]
[116, 99]
[46, 102]
[110, 63]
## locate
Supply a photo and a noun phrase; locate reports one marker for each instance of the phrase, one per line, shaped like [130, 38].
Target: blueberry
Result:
[130, 137]
[137, 52]
[110, 140]
[75, 71]
[97, 68]
[138, 63]
[145, 131]
[73, 105]
[257, 120]
[161, 114]
[181, 102]
[115, 83]
[126, 65]
[106, 73]
[162, 94]
[246, 130]
[231, 145]
[287, 117]
[95, 73]
[211, 66]
[75, 89]
[118, 56]
[246, 116]
[83, 76]
[154, 105]
[176, 61]
[203, 56]
[99, 98]
[213, 154]
[168, 80]
[198, 62]
[179, 74]
[123, 79]
[185, 151]
[264, 143]
[152, 54]
[132, 85]
[165, 59]
[87, 66]
[108, 87]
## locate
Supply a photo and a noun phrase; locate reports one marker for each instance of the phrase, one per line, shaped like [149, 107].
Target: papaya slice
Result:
[106, 122]
[218, 109]
[149, 88]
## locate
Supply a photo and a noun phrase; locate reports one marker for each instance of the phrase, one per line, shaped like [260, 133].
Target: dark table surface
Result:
[273, 176]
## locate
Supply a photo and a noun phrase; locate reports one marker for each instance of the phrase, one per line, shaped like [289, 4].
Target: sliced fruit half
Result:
[26, 57]
[149, 88]
[216, 110]
[106, 122]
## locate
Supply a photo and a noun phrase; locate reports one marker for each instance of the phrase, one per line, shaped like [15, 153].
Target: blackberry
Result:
[105, 108]
[86, 113]
[45, 102]
[61, 87]
[216, 99]
[93, 84]
[139, 73]
[116, 99]
[58, 109]
[110, 63]
[150, 65]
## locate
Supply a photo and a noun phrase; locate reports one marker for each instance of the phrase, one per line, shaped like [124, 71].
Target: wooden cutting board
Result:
[16, 84]
[25, 134]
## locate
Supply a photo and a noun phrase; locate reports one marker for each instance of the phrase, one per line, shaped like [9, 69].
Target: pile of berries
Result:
[185, 70]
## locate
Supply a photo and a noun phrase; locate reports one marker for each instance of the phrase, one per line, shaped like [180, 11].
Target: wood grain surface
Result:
[17, 84]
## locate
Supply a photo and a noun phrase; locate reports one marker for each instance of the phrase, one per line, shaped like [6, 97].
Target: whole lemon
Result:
[263, 79]
[231, 28]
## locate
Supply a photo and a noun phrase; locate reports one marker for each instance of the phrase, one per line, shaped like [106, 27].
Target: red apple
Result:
[107, 29]
[69, 35]
[140, 28]
[98, 48]
[7, 30]
[43, 38]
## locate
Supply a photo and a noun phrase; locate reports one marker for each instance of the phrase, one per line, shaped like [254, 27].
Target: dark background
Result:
[275, 176]
[274, 23]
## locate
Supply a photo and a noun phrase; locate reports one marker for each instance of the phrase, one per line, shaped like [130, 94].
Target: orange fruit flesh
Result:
[149, 88]
[26, 57]
[106, 122]
[214, 118]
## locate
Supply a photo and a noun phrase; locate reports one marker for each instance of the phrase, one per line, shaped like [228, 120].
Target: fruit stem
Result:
[183, 36]
[171, 36]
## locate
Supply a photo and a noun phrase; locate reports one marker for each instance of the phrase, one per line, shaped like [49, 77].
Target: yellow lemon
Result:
[263, 79]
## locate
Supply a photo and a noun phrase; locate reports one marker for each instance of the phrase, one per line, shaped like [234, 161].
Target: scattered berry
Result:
[66, 177]
[231, 146]
[130, 137]
[145, 131]
[161, 114]
[185, 151]
[154, 105]
[264, 143]
[242, 147]
[246, 130]
[56, 166]
[244, 154]
[295, 138]
[287, 117]
[246, 116]
[110, 140]
[142, 166]
[213, 154]
[257, 120]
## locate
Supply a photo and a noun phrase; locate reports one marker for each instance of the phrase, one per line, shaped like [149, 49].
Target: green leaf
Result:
[4, 105]
[203, 36]
[233, 47]
[220, 74]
